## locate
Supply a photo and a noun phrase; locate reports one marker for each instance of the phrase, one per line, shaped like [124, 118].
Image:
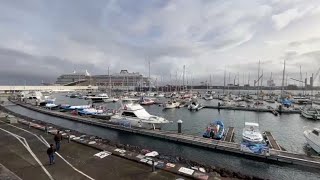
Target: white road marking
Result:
[68, 162]
[41, 139]
[26, 145]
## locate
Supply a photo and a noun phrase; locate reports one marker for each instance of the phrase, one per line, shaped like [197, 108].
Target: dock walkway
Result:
[229, 147]
[272, 142]
[254, 109]
[229, 135]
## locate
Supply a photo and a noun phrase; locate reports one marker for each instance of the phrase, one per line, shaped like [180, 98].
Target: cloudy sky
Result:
[41, 39]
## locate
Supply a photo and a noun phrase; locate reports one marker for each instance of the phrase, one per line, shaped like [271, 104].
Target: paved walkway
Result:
[16, 157]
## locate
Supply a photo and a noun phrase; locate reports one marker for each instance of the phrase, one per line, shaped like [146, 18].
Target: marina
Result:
[273, 154]
[203, 155]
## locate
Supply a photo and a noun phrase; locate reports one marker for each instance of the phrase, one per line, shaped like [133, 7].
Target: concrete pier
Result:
[77, 161]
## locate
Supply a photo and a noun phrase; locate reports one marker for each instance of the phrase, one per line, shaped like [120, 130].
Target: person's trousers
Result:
[51, 158]
[58, 145]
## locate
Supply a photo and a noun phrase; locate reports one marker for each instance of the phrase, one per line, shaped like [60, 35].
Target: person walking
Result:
[50, 151]
[57, 140]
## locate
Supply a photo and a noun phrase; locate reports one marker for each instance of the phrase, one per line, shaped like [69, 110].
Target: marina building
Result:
[124, 80]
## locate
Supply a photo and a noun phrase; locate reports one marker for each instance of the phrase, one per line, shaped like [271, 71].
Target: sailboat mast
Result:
[149, 78]
[301, 83]
[184, 71]
[224, 80]
[210, 81]
[228, 82]
[283, 74]
[109, 81]
[270, 83]
[258, 80]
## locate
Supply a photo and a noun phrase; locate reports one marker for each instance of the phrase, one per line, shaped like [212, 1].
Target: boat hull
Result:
[133, 122]
[310, 116]
[311, 143]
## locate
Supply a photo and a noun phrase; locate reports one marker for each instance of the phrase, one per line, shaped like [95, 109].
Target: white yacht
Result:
[99, 97]
[251, 133]
[160, 95]
[111, 100]
[313, 138]
[171, 104]
[194, 105]
[133, 114]
[208, 95]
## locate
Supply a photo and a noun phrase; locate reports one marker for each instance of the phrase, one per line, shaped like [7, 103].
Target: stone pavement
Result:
[16, 157]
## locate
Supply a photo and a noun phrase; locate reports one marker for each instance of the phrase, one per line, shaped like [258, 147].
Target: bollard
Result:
[29, 124]
[280, 108]
[69, 138]
[179, 125]
[153, 166]
[46, 129]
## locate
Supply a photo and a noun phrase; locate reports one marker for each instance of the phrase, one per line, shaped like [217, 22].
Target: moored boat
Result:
[133, 114]
[251, 133]
[215, 130]
[311, 113]
[313, 139]
[171, 104]
[146, 101]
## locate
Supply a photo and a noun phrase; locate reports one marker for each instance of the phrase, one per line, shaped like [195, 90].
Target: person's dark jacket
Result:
[57, 137]
[51, 150]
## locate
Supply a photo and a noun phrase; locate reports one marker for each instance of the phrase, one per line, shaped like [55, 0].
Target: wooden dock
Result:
[273, 111]
[223, 146]
[229, 135]
[272, 142]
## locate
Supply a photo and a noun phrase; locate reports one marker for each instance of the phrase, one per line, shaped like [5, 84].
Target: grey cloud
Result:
[306, 41]
[16, 67]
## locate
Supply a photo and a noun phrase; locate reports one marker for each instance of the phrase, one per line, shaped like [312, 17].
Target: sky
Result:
[42, 39]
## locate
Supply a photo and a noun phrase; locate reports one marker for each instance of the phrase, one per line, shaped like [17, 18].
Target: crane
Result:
[296, 80]
[317, 75]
